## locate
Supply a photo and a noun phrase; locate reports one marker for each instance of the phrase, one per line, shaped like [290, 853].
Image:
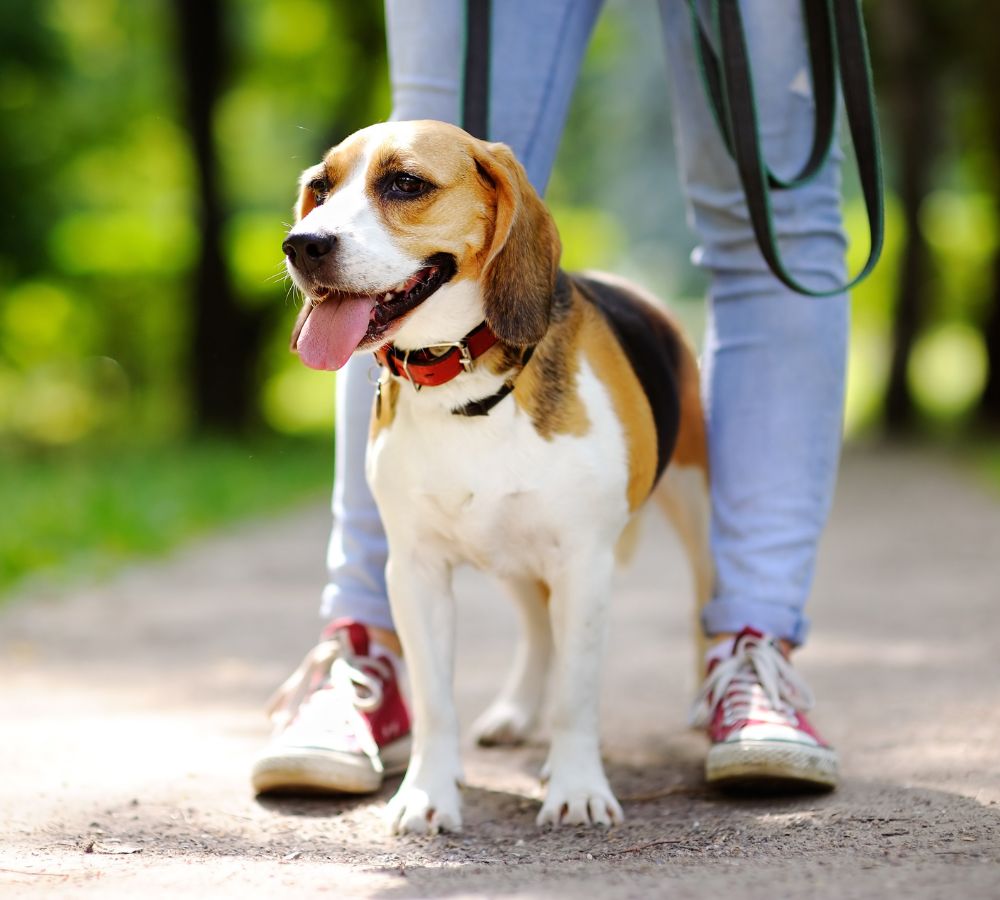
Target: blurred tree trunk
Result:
[989, 91]
[989, 402]
[225, 335]
[914, 116]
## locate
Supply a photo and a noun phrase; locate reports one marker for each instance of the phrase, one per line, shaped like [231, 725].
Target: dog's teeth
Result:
[387, 298]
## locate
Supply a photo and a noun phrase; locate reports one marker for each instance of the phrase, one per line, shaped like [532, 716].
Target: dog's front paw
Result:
[575, 800]
[503, 724]
[425, 806]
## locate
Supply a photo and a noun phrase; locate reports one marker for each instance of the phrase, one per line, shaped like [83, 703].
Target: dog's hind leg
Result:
[514, 713]
[683, 496]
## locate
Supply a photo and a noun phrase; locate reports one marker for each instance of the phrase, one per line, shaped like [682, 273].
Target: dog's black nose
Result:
[306, 250]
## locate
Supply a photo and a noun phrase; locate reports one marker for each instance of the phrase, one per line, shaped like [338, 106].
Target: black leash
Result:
[476, 96]
[836, 38]
[836, 34]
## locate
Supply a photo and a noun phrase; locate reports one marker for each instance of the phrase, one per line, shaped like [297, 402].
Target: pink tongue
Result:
[333, 331]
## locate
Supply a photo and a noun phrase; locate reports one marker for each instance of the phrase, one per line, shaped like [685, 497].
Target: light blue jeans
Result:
[773, 362]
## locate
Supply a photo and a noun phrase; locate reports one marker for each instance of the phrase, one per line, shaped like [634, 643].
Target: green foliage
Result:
[80, 516]
[99, 235]
[948, 367]
[99, 232]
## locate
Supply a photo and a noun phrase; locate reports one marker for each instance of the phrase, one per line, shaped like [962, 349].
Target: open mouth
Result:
[339, 323]
[395, 304]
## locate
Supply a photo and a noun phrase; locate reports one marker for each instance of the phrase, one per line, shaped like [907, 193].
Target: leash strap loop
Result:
[823, 70]
[837, 46]
[836, 34]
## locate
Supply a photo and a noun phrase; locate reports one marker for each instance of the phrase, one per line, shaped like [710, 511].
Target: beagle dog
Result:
[523, 416]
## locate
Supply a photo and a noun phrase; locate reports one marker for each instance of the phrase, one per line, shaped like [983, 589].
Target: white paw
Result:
[503, 723]
[574, 800]
[425, 806]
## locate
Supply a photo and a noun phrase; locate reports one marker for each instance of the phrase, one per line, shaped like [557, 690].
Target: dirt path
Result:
[129, 713]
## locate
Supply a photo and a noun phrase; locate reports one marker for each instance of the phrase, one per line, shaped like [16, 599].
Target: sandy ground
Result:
[130, 713]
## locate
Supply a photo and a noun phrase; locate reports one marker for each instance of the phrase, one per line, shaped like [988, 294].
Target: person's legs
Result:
[536, 53]
[356, 555]
[773, 372]
[774, 360]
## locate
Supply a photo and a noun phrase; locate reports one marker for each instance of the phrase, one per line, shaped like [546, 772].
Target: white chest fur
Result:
[490, 490]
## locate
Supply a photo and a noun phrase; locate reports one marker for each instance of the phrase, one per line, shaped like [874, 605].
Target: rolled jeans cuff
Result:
[730, 617]
[367, 608]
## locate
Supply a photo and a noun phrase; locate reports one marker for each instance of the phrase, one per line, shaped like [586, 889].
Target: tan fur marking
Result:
[335, 167]
[612, 367]
[502, 358]
[546, 389]
[341, 160]
[628, 540]
[686, 504]
[306, 203]
[456, 216]
[691, 448]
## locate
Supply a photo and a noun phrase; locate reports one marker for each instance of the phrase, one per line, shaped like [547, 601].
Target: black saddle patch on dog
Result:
[653, 349]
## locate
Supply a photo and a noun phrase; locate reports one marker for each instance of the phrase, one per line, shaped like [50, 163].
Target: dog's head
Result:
[408, 231]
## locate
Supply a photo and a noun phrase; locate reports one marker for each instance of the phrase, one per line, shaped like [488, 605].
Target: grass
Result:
[65, 519]
[81, 517]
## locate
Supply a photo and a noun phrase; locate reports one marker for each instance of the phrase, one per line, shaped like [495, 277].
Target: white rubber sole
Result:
[767, 764]
[317, 771]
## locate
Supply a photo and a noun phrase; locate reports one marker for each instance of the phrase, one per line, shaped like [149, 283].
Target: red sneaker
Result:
[753, 706]
[341, 724]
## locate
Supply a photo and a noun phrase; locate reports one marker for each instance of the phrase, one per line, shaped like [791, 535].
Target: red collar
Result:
[422, 367]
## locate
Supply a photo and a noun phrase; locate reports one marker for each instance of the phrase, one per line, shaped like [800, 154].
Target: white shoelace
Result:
[332, 684]
[756, 679]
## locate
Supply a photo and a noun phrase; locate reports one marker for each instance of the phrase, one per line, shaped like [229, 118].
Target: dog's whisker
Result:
[290, 295]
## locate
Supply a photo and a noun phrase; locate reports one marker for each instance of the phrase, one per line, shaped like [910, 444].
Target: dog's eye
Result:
[320, 188]
[406, 184]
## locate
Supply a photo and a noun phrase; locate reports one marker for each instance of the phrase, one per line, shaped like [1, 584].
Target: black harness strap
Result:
[483, 406]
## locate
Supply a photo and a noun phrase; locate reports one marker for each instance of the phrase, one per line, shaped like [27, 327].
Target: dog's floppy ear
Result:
[522, 259]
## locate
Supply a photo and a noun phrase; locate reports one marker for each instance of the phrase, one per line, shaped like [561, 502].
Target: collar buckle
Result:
[465, 355]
